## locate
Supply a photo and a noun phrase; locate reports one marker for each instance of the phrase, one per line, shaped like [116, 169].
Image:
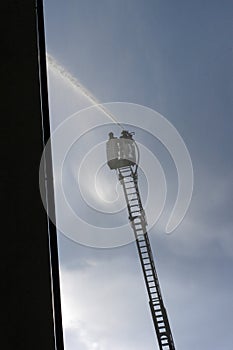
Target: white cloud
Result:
[108, 303]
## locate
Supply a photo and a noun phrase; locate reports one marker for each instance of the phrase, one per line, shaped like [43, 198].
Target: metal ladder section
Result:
[137, 218]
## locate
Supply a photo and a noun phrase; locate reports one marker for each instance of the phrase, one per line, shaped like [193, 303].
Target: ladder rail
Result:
[138, 223]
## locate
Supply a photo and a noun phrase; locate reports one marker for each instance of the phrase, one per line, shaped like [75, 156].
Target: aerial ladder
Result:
[123, 156]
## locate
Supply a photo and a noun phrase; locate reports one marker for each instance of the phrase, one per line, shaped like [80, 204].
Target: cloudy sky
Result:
[174, 57]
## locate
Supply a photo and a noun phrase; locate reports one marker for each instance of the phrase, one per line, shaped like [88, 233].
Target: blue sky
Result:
[176, 58]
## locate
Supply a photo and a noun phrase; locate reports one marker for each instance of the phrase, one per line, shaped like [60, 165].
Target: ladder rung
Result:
[162, 330]
[158, 311]
[146, 260]
[161, 324]
[154, 285]
[155, 293]
[142, 248]
[125, 168]
[142, 242]
[156, 303]
[160, 319]
[154, 290]
[140, 239]
[151, 279]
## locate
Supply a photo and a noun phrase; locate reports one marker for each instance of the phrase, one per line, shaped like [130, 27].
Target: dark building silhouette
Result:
[26, 282]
